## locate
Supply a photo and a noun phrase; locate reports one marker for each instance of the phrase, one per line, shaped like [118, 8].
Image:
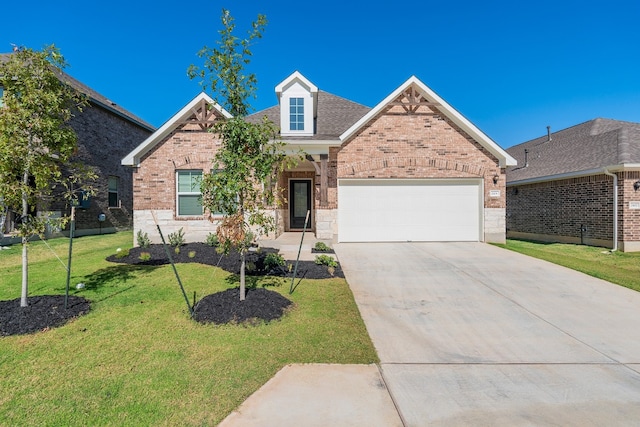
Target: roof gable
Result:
[200, 111]
[418, 92]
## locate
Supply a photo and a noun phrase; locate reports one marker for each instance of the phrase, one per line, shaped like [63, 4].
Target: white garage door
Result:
[393, 210]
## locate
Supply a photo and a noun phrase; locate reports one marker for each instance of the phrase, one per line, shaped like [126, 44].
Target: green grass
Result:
[617, 267]
[137, 359]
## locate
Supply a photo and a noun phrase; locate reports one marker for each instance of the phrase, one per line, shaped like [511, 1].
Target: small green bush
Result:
[212, 239]
[326, 260]
[122, 254]
[273, 260]
[321, 247]
[192, 254]
[250, 267]
[145, 256]
[143, 239]
[177, 250]
[176, 239]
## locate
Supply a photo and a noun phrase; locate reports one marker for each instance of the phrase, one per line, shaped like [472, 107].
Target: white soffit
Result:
[133, 158]
[450, 112]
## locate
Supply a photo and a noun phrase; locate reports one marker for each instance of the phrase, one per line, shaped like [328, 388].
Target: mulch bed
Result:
[205, 254]
[47, 311]
[226, 307]
[42, 313]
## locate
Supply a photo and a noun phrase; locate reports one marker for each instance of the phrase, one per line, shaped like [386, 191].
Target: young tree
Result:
[36, 141]
[250, 155]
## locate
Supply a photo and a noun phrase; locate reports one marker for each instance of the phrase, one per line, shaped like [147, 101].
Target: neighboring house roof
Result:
[196, 107]
[335, 115]
[97, 98]
[580, 150]
[446, 109]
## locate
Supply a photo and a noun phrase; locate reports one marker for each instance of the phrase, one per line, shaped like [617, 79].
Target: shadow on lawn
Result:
[114, 277]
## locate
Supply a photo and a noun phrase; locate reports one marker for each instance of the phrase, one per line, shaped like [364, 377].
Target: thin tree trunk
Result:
[25, 241]
[242, 262]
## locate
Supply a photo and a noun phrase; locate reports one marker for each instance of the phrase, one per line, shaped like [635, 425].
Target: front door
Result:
[299, 202]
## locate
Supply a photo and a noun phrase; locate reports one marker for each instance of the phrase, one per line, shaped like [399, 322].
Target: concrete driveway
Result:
[471, 334]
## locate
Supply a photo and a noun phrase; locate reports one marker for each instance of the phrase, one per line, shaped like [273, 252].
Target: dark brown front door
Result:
[299, 202]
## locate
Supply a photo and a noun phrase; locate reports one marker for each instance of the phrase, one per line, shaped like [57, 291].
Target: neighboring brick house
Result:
[106, 132]
[564, 187]
[411, 168]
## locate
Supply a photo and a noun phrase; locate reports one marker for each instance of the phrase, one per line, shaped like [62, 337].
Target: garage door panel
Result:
[401, 210]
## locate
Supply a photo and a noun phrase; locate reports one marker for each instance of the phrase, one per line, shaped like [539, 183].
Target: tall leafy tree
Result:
[246, 165]
[36, 141]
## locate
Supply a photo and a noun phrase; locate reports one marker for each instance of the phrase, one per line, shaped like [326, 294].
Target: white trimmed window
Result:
[296, 113]
[114, 200]
[188, 183]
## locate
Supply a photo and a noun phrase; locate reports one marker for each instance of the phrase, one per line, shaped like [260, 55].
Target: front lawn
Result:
[617, 267]
[137, 359]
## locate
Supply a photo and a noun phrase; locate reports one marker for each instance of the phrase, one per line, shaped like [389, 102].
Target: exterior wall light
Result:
[496, 178]
[636, 185]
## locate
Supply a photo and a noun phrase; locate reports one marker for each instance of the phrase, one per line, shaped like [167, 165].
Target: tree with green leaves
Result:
[251, 155]
[36, 141]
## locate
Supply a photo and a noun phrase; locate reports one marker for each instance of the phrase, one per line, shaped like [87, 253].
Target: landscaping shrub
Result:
[122, 253]
[143, 239]
[326, 260]
[176, 239]
[192, 254]
[212, 239]
[321, 247]
[145, 256]
[273, 260]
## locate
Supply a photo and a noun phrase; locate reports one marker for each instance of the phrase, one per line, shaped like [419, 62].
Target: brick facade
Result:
[188, 147]
[575, 210]
[424, 144]
[104, 138]
[420, 143]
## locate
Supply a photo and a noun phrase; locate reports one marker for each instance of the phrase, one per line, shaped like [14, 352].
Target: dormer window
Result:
[296, 114]
[298, 99]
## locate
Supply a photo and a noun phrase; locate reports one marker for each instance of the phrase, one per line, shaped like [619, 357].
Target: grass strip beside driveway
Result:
[616, 267]
[137, 359]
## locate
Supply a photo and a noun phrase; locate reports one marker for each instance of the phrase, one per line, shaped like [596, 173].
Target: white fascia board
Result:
[310, 147]
[296, 76]
[133, 158]
[504, 158]
[569, 175]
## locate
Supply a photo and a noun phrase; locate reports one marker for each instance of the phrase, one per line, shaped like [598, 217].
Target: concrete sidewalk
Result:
[319, 395]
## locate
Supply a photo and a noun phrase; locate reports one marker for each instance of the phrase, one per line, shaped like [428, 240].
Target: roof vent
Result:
[548, 133]
[526, 157]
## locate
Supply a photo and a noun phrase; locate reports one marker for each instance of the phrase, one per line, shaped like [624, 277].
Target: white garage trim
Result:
[388, 210]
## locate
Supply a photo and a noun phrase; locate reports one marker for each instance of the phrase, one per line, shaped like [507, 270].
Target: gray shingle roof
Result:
[335, 116]
[96, 98]
[590, 145]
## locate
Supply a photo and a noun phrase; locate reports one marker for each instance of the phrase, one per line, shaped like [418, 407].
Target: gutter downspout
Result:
[615, 208]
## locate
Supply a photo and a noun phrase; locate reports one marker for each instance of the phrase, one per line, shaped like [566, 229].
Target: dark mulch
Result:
[42, 313]
[205, 254]
[226, 307]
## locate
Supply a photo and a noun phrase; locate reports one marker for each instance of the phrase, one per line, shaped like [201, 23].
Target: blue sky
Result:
[512, 68]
